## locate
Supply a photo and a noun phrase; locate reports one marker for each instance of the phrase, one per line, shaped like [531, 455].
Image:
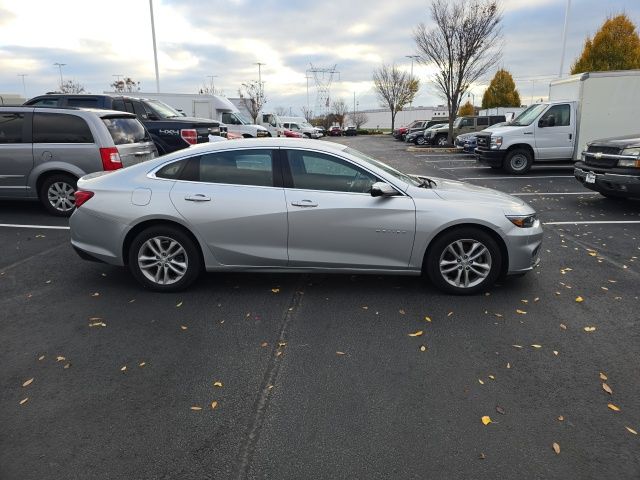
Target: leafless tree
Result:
[252, 97]
[358, 119]
[126, 85]
[339, 109]
[395, 89]
[71, 86]
[464, 43]
[210, 89]
[281, 111]
[307, 113]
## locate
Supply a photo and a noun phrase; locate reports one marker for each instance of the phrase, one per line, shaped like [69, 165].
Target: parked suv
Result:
[611, 167]
[463, 125]
[43, 151]
[169, 129]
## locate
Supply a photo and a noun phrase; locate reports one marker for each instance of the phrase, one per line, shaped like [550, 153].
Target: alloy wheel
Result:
[465, 263]
[61, 196]
[163, 260]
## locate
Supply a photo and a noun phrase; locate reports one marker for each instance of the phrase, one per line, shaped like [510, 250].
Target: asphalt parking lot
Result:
[317, 376]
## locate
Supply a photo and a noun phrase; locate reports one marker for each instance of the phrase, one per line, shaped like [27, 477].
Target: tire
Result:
[441, 261]
[57, 194]
[179, 264]
[518, 161]
[441, 140]
[421, 141]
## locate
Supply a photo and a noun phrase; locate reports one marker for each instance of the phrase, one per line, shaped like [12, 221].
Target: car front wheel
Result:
[164, 259]
[421, 141]
[441, 140]
[57, 194]
[518, 161]
[464, 261]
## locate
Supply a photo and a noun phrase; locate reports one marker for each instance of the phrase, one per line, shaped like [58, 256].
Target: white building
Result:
[381, 117]
[11, 99]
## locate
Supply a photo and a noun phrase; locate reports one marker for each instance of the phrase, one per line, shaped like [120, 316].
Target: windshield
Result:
[529, 115]
[163, 110]
[383, 166]
[306, 125]
[436, 126]
[243, 118]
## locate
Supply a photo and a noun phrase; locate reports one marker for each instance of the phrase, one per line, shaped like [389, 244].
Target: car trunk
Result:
[133, 142]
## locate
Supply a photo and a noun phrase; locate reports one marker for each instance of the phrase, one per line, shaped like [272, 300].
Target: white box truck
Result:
[214, 107]
[581, 108]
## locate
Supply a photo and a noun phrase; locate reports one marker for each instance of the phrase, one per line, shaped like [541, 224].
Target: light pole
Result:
[412, 57]
[261, 87]
[473, 100]
[60, 65]
[155, 50]
[308, 109]
[24, 86]
[564, 35]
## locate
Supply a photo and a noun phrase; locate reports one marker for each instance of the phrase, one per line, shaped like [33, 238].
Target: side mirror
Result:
[152, 116]
[382, 189]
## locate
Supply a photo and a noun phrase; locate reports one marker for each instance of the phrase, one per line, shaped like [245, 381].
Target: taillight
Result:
[110, 158]
[82, 196]
[189, 135]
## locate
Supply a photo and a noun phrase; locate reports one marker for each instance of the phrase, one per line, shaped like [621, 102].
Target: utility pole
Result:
[60, 65]
[261, 86]
[155, 50]
[24, 86]
[308, 77]
[211, 84]
[564, 36]
[354, 106]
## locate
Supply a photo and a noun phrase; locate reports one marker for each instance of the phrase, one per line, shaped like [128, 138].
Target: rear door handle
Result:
[527, 133]
[198, 197]
[304, 203]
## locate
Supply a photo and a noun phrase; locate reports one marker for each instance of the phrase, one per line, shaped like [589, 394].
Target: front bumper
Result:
[493, 158]
[621, 184]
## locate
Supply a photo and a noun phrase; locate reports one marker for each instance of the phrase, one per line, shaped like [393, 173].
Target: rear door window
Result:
[11, 127]
[126, 130]
[483, 121]
[239, 167]
[60, 128]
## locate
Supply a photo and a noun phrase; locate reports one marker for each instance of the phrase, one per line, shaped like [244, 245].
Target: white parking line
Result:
[520, 194]
[440, 155]
[594, 222]
[464, 168]
[40, 227]
[453, 160]
[516, 177]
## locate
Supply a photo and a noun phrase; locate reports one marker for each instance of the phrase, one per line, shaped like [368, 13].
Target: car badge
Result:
[598, 155]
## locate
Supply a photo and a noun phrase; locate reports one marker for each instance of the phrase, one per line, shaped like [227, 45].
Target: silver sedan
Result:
[299, 206]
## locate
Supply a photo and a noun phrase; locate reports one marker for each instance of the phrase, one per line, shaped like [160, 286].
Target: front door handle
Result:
[198, 197]
[304, 203]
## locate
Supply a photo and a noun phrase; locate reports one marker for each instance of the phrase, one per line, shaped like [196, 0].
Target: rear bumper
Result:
[523, 245]
[493, 158]
[615, 183]
[97, 238]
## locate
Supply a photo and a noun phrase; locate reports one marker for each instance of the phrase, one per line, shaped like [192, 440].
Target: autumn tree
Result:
[339, 109]
[616, 46]
[466, 110]
[252, 97]
[461, 44]
[71, 86]
[501, 92]
[395, 89]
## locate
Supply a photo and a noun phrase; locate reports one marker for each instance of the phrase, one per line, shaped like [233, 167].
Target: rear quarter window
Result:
[60, 128]
[82, 102]
[172, 170]
[126, 130]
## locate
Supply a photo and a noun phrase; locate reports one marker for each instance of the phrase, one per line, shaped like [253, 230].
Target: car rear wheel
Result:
[421, 141]
[518, 161]
[164, 259]
[57, 194]
[464, 261]
[441, 140]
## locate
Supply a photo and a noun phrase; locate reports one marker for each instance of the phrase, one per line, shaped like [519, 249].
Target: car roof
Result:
[56, 109]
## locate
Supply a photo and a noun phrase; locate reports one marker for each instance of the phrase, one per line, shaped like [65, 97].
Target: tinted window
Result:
[466, 122]
[47, 102]
[241, 167]
[82, 102]
[558, 116]
[118, 104]
[128, 106]
[139, 109]
[317, 171]
[126, 130]
[172, 170]
[230, 119]
[60, 128]
[482, 121]
[11, 127]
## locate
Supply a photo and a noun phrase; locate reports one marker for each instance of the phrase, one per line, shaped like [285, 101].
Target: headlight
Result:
[629, 163]
[496, 142]
[635, 151]
[523, 221]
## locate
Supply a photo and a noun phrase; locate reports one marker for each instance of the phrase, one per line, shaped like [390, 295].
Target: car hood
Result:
[621, 142]
[455, 191]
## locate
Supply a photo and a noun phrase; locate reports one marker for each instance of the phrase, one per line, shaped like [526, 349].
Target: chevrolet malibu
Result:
[276, 204]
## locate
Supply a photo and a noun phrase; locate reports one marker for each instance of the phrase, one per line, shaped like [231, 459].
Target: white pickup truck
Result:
[581, 108]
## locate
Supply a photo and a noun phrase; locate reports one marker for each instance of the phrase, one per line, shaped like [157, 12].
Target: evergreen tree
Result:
[616, 46]
[501, 92]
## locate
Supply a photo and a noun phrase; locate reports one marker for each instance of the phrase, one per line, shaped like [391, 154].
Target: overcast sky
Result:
[196, 38]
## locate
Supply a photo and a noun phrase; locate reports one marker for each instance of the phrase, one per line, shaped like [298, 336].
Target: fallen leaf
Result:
[563, 326]
[41, 357]
[428, 319]
[282, 344]
[579, 299]
[24, 400]
[517, 346]
[613, 407]
[196, 408]
[486, 420]
[537, 299]
[142, 364]
[340, 353]
[179, 304]
[631, 430]
[60, 359]
[480, 382]
[449, 314]
[561, 418]
[423, 348]
[214, 404]
[536, 346]
[524, 300]
[96, 294]
[498, 315]
[66, 366]
[482, 456]
[28, 382]
[492, 377]
[264, 344]
[500, 410]
[98, 324]
[123, 369]
[555, 352]
[275, 290]
[607, 389]
[416, 334]
[401, 311]
[508, 365]
[593, 254]
[183, 327]
[217, 384]
[589, 329]
[556, 448]
[278, 353]
[521, 312]
[603, 376]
